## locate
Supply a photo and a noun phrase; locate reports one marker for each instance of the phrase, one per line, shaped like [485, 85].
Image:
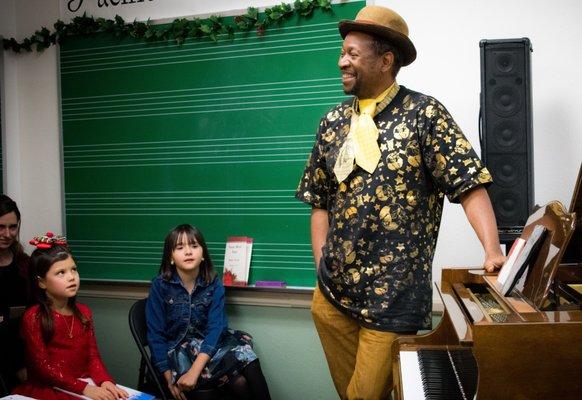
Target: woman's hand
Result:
[174, 389]
[98, 393]
[112, 388]
[188, 380]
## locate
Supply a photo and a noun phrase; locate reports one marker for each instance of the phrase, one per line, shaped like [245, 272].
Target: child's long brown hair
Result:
[167, 269]
[41, 261]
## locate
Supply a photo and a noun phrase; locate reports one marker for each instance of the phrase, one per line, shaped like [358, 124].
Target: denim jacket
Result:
[170, 310]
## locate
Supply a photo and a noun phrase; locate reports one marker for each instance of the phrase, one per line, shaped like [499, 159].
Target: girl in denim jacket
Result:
[187, 327]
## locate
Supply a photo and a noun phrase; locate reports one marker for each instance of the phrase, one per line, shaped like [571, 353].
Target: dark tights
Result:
[251, 385]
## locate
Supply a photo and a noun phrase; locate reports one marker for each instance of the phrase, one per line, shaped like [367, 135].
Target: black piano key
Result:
[467, 369]
[448, 375]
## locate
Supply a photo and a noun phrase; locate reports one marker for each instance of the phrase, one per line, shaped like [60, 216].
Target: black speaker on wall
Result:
[506, 131]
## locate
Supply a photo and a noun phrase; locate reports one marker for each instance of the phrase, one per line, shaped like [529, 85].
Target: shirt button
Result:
[191, 305]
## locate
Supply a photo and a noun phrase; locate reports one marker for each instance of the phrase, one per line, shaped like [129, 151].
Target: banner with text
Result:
[142, 10]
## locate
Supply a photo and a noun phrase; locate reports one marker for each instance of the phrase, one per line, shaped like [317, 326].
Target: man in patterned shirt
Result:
[382, 163]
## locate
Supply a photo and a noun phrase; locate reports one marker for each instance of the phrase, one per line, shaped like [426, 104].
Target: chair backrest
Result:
[138, 327]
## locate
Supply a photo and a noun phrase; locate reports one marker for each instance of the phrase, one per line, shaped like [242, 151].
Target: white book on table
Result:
[133, 394]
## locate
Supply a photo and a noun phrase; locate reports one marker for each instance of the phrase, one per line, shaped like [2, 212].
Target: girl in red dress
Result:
[58, 331]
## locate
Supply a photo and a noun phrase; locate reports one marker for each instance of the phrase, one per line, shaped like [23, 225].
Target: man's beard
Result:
[353, 90]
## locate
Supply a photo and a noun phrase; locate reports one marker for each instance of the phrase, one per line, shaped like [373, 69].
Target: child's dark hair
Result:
[7, 205]
[41, 261]
[193, 235]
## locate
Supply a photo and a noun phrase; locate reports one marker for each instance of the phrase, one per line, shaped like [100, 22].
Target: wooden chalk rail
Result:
[248, 296]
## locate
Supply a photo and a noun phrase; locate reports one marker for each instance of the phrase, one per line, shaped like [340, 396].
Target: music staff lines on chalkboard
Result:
[212, 151]
[230, 204]
[219, 91]
[306, 40]
[283, 256]
[212, 134]
[284, 31]
[267, 99]
[223, 91]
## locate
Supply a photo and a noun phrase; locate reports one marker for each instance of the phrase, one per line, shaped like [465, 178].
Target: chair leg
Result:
[141, 376]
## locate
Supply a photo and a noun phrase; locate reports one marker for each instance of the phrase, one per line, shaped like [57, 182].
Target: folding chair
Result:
[149, 380]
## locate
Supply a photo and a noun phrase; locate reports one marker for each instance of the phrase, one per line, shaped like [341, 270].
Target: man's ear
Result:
[387, 61]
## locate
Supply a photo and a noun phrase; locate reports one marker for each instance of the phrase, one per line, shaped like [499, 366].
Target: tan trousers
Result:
[359, 358]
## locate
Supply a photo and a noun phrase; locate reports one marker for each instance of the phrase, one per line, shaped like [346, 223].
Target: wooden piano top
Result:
[531, 354]
[523, 352]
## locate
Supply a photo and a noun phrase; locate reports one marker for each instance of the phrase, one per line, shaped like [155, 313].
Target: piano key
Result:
[438, 374]
[411, 378]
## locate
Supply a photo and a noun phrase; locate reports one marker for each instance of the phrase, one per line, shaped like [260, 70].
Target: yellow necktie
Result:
[367, 152]
[361, 144]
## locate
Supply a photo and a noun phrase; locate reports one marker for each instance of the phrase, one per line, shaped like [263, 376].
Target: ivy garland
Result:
[178, 30]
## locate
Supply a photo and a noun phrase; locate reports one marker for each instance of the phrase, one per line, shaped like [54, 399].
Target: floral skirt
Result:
[235, 351]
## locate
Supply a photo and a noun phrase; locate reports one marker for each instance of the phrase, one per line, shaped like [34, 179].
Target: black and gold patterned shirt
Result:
[383, 227]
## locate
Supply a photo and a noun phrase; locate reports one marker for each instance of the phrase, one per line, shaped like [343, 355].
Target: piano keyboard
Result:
[437, 374]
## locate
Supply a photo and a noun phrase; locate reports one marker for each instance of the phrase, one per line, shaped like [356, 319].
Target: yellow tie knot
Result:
[367, 106]
[361, 145]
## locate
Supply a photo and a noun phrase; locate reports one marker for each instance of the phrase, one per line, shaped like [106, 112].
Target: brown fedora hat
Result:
[385, 23]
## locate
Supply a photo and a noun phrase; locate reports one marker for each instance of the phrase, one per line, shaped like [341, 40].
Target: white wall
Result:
[446, 34]
[32, 138]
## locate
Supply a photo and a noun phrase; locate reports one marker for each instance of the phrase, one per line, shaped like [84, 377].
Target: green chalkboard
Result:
[212, 134]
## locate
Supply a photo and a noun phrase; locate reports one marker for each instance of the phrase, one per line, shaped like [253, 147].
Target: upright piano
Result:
[527, 345]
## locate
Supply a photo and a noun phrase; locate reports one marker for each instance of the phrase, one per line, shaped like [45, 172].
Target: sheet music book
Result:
[237, 261]
[525, 257]
[133, 394]
[510, 261]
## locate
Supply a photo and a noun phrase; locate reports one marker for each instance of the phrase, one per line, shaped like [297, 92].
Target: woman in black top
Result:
[13, 293]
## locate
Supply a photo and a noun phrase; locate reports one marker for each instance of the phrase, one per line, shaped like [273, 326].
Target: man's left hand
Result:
[493, 262]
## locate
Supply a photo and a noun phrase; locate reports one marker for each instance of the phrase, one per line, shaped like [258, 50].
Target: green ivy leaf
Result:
[179, 29]
[206, 29]
[194, 28]
[27, 44]
[150, 34]
[252, 13]
[325, 4]
[60, 26]
[245, 22]
[119, 20]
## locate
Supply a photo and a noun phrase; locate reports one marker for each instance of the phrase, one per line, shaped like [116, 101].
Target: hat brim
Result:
[398, 39]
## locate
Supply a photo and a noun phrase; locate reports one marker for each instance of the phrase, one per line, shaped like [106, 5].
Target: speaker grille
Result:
[507, 146]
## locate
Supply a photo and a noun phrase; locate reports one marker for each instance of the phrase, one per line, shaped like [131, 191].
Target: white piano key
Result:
[410, 374]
